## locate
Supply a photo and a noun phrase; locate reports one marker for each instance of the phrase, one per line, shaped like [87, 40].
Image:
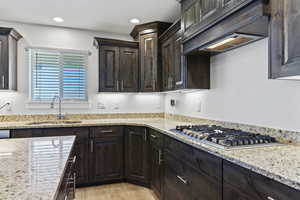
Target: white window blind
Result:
[58, 73]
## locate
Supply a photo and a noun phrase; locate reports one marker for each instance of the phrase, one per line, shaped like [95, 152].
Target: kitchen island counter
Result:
[33, 168]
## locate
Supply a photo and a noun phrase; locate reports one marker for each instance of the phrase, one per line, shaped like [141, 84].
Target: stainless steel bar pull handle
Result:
[179, 83]
[153, 136]
[92, 146]
[145, 135]
[74, 186]
[270, 198]
[159, 157]
[153, 85]
[106, 131]
[118, 88]
[122, 85]
[3, 81]
[182, 180]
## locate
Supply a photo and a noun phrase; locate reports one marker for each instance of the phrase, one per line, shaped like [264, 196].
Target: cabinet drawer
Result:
[80, 133]
[254, 185]
[25, 133]
[156, 138]
[106, 131]
[179, 149]
[208, 164]
[189, 181]
[175, 185]
[202, 161]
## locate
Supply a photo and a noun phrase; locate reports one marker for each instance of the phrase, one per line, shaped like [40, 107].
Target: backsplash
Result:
[21, 118]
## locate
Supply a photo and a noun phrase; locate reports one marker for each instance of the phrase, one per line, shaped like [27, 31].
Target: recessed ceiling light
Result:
[58, 19]
[135, 21]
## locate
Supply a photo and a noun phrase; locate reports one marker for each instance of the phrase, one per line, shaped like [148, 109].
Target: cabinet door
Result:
[4, 62]
[106, 161]
[108, 69]
[179, 62]
[136, 155]
[148, 60]
[231, 193]
[81, 165]
[191, 14]
[209, 7]
[284, 39]
[156, 169]
[129, 68]
[168, 64]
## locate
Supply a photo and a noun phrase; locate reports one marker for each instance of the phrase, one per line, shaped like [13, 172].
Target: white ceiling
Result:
[101, 15]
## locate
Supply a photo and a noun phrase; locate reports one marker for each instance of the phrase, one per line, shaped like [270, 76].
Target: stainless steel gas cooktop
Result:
[224, 138]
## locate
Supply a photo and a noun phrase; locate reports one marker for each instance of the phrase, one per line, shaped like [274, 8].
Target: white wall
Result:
[53, 37]
[241, 92]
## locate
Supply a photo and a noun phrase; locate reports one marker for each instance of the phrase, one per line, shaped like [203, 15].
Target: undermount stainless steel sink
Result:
[54, 122]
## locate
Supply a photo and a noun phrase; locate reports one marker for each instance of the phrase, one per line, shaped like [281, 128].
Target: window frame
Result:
[30, 52]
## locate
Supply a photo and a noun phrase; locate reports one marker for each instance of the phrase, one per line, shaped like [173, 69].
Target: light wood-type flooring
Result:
[118, 191]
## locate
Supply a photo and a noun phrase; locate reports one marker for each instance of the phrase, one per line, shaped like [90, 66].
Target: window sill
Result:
[66, 105]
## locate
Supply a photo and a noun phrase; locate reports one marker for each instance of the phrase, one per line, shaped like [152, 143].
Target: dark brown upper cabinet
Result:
[150, 54]
[118, 65]
[284, 36]
[8, 58]
[224, 25]
[180, 71]
[198, 15]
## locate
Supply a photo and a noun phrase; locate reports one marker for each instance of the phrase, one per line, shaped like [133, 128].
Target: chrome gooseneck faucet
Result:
[60, 115]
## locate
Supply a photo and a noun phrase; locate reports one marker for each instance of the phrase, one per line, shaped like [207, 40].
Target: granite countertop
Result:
[281, 163]
[32, 168]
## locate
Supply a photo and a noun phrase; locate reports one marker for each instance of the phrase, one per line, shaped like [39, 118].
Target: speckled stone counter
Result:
[281, 163]
[32, 169]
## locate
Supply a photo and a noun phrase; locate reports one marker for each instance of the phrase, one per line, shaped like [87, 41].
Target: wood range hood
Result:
[241, 28]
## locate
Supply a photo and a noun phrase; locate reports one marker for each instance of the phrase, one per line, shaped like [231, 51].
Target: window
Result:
[58, 73]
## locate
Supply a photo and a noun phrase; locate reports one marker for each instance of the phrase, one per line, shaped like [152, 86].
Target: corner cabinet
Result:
[118, 65]
[150, 54]
[284, 36]
[8, 58]
[137, 155]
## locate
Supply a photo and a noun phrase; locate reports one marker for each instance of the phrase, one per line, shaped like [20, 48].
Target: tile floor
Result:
[118, 191]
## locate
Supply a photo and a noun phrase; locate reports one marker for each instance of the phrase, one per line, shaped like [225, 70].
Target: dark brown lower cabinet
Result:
[175, 184]
[173, 169]
[106, 163]
[137, 165]
[191, 174]
[242, 184]
[156, 161]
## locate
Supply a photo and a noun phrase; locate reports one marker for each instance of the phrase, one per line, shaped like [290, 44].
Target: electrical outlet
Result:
[101, 106]
[172, 102]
